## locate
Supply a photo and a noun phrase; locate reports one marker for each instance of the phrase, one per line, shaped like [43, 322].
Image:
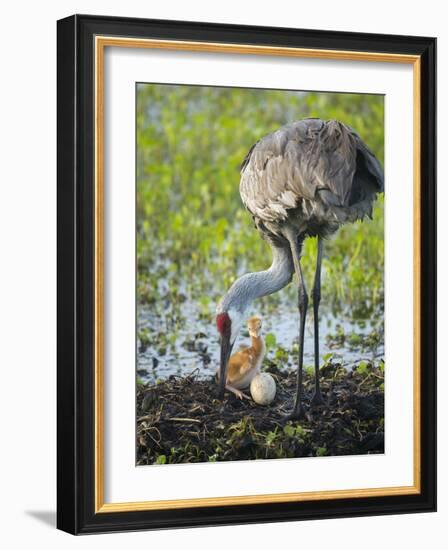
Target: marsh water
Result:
[196, 345]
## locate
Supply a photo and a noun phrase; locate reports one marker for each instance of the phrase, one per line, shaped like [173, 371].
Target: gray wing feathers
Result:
[310, 160]
[370, 163]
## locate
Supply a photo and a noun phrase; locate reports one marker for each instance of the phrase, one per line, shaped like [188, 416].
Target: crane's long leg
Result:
[317, 397]
[296, 250]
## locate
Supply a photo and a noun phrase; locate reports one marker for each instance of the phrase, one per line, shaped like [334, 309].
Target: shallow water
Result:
[196, 345]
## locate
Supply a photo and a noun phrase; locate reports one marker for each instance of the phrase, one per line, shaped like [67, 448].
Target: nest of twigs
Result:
[181, 420]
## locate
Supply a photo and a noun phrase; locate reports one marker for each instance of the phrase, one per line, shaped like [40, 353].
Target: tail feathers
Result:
[329, 198]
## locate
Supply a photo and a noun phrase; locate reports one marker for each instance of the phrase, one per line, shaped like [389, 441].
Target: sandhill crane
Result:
[304, 180]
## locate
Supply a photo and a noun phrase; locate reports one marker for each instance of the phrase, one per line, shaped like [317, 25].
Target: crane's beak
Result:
[226, 350]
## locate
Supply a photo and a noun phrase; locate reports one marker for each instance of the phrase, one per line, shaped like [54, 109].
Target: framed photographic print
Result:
[246, 274]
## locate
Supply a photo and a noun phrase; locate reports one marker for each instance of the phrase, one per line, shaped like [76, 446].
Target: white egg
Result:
[263, 388]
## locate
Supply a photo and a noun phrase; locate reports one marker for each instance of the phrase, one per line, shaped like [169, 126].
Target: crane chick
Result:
[245, 364]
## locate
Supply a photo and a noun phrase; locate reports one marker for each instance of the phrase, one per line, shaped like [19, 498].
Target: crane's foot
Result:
[298, 413]
[317, 400]
[236, 392]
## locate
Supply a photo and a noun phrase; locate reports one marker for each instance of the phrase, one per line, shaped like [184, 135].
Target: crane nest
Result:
[181, 419]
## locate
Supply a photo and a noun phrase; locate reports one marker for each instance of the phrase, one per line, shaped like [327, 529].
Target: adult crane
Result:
[303, 180]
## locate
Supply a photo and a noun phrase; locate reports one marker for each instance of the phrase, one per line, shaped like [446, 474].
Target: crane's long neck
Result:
[254, 285]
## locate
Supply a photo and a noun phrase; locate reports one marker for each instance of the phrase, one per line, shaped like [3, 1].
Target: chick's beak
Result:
[226, 350]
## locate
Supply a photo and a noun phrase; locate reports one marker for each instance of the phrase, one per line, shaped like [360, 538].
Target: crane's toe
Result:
[238, 393]
[317, 400]
[298, 413]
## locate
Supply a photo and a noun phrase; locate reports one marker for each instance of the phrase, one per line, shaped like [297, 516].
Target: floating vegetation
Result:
[354, 341]
[181, 420]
